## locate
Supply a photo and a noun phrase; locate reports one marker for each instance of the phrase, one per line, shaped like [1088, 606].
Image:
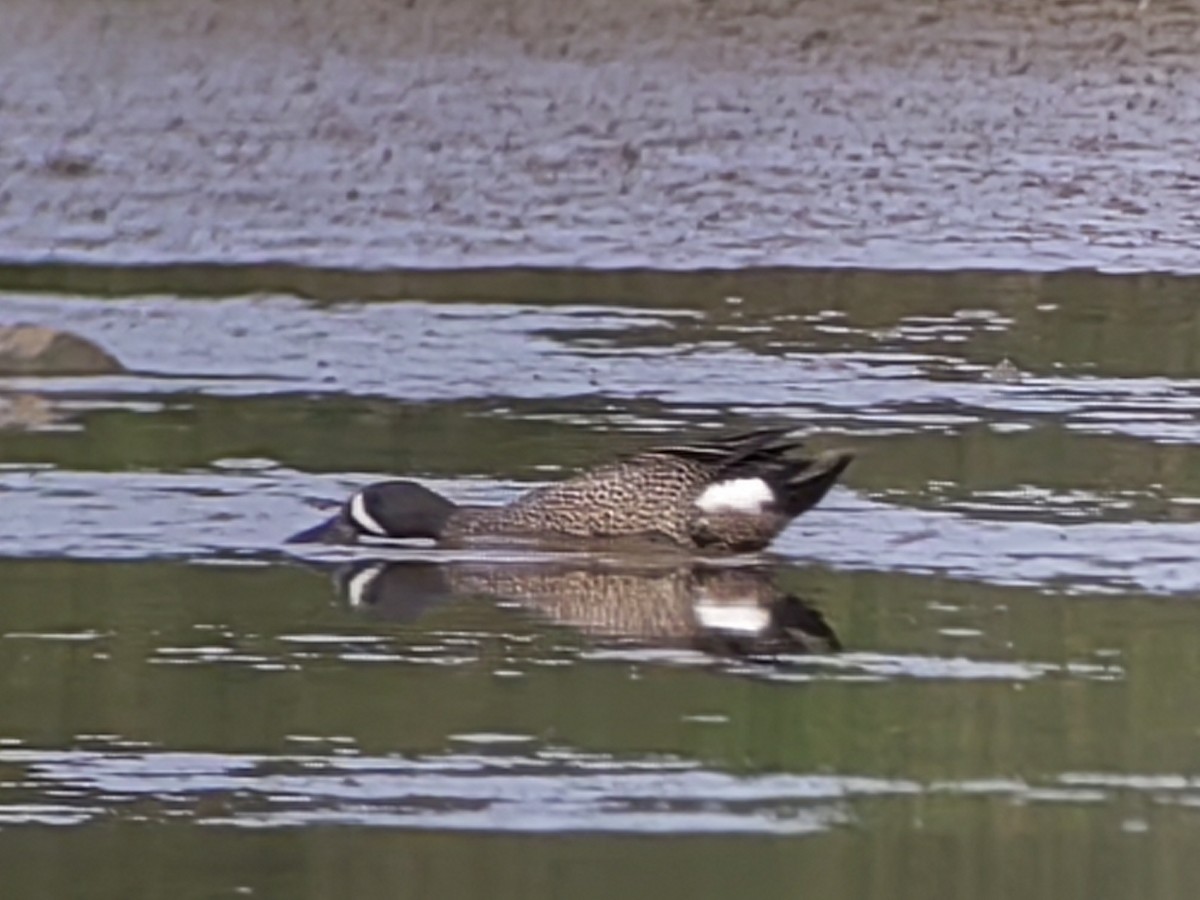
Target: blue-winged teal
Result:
[729, 494]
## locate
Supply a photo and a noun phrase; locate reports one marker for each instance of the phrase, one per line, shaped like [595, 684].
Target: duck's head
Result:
[386, 509]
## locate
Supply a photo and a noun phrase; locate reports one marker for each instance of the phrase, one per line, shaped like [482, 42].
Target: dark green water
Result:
[188, 710]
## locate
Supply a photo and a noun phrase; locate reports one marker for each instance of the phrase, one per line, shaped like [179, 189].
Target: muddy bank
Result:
[672, 134]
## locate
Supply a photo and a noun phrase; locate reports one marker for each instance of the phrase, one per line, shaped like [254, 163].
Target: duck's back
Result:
[731, 494]
[650, 495]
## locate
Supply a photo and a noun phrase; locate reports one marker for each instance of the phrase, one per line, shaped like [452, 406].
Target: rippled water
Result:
[1031, 134]
[970, 672]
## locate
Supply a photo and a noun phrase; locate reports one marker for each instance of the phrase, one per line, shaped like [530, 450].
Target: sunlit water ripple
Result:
[233, 348]
[551, 790]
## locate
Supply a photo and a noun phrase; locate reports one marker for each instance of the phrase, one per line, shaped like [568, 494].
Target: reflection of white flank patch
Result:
[746, 495]
[744, 618]
[363, 519]
[359, 584]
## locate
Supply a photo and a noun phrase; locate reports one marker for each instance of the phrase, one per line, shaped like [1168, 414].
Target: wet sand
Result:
[371, 133]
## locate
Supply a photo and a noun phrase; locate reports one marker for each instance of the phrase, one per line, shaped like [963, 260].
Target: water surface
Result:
[1008, 570]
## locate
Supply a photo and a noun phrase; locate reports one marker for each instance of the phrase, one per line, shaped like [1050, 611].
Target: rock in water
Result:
[37, 350]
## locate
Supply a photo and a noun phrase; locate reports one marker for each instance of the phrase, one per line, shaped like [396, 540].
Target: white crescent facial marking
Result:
[742, 618]
[363, 519]
[360, 582]
[745, 495]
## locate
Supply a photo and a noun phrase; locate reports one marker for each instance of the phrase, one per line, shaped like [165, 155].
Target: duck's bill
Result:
[335, 530]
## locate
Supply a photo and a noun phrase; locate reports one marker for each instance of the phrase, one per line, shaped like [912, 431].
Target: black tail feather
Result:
[806, 485]
[732, 450]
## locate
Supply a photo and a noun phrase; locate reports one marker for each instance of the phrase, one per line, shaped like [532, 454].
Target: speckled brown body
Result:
[653, 495]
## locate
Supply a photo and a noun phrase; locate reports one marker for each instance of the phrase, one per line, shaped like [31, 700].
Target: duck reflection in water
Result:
[738, 611]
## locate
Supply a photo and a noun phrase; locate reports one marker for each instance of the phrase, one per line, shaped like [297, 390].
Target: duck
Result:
[732, 493]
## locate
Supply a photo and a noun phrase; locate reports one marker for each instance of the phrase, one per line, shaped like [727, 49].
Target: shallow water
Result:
[1009, 568]
[1033, 134]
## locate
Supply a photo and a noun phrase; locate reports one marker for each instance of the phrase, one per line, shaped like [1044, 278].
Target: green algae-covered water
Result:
[189, 709]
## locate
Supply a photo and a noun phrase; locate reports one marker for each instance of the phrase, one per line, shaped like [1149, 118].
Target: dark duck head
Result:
[386, 509]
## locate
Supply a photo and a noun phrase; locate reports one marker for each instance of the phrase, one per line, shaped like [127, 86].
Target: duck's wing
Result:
[649, 494]
[760, 468]
[756, 483]
[662, 491]
[722, 453]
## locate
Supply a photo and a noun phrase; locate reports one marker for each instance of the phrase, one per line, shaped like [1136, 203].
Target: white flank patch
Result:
[745, 495]
[360, 583]
[363, 519]
[742, 618]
